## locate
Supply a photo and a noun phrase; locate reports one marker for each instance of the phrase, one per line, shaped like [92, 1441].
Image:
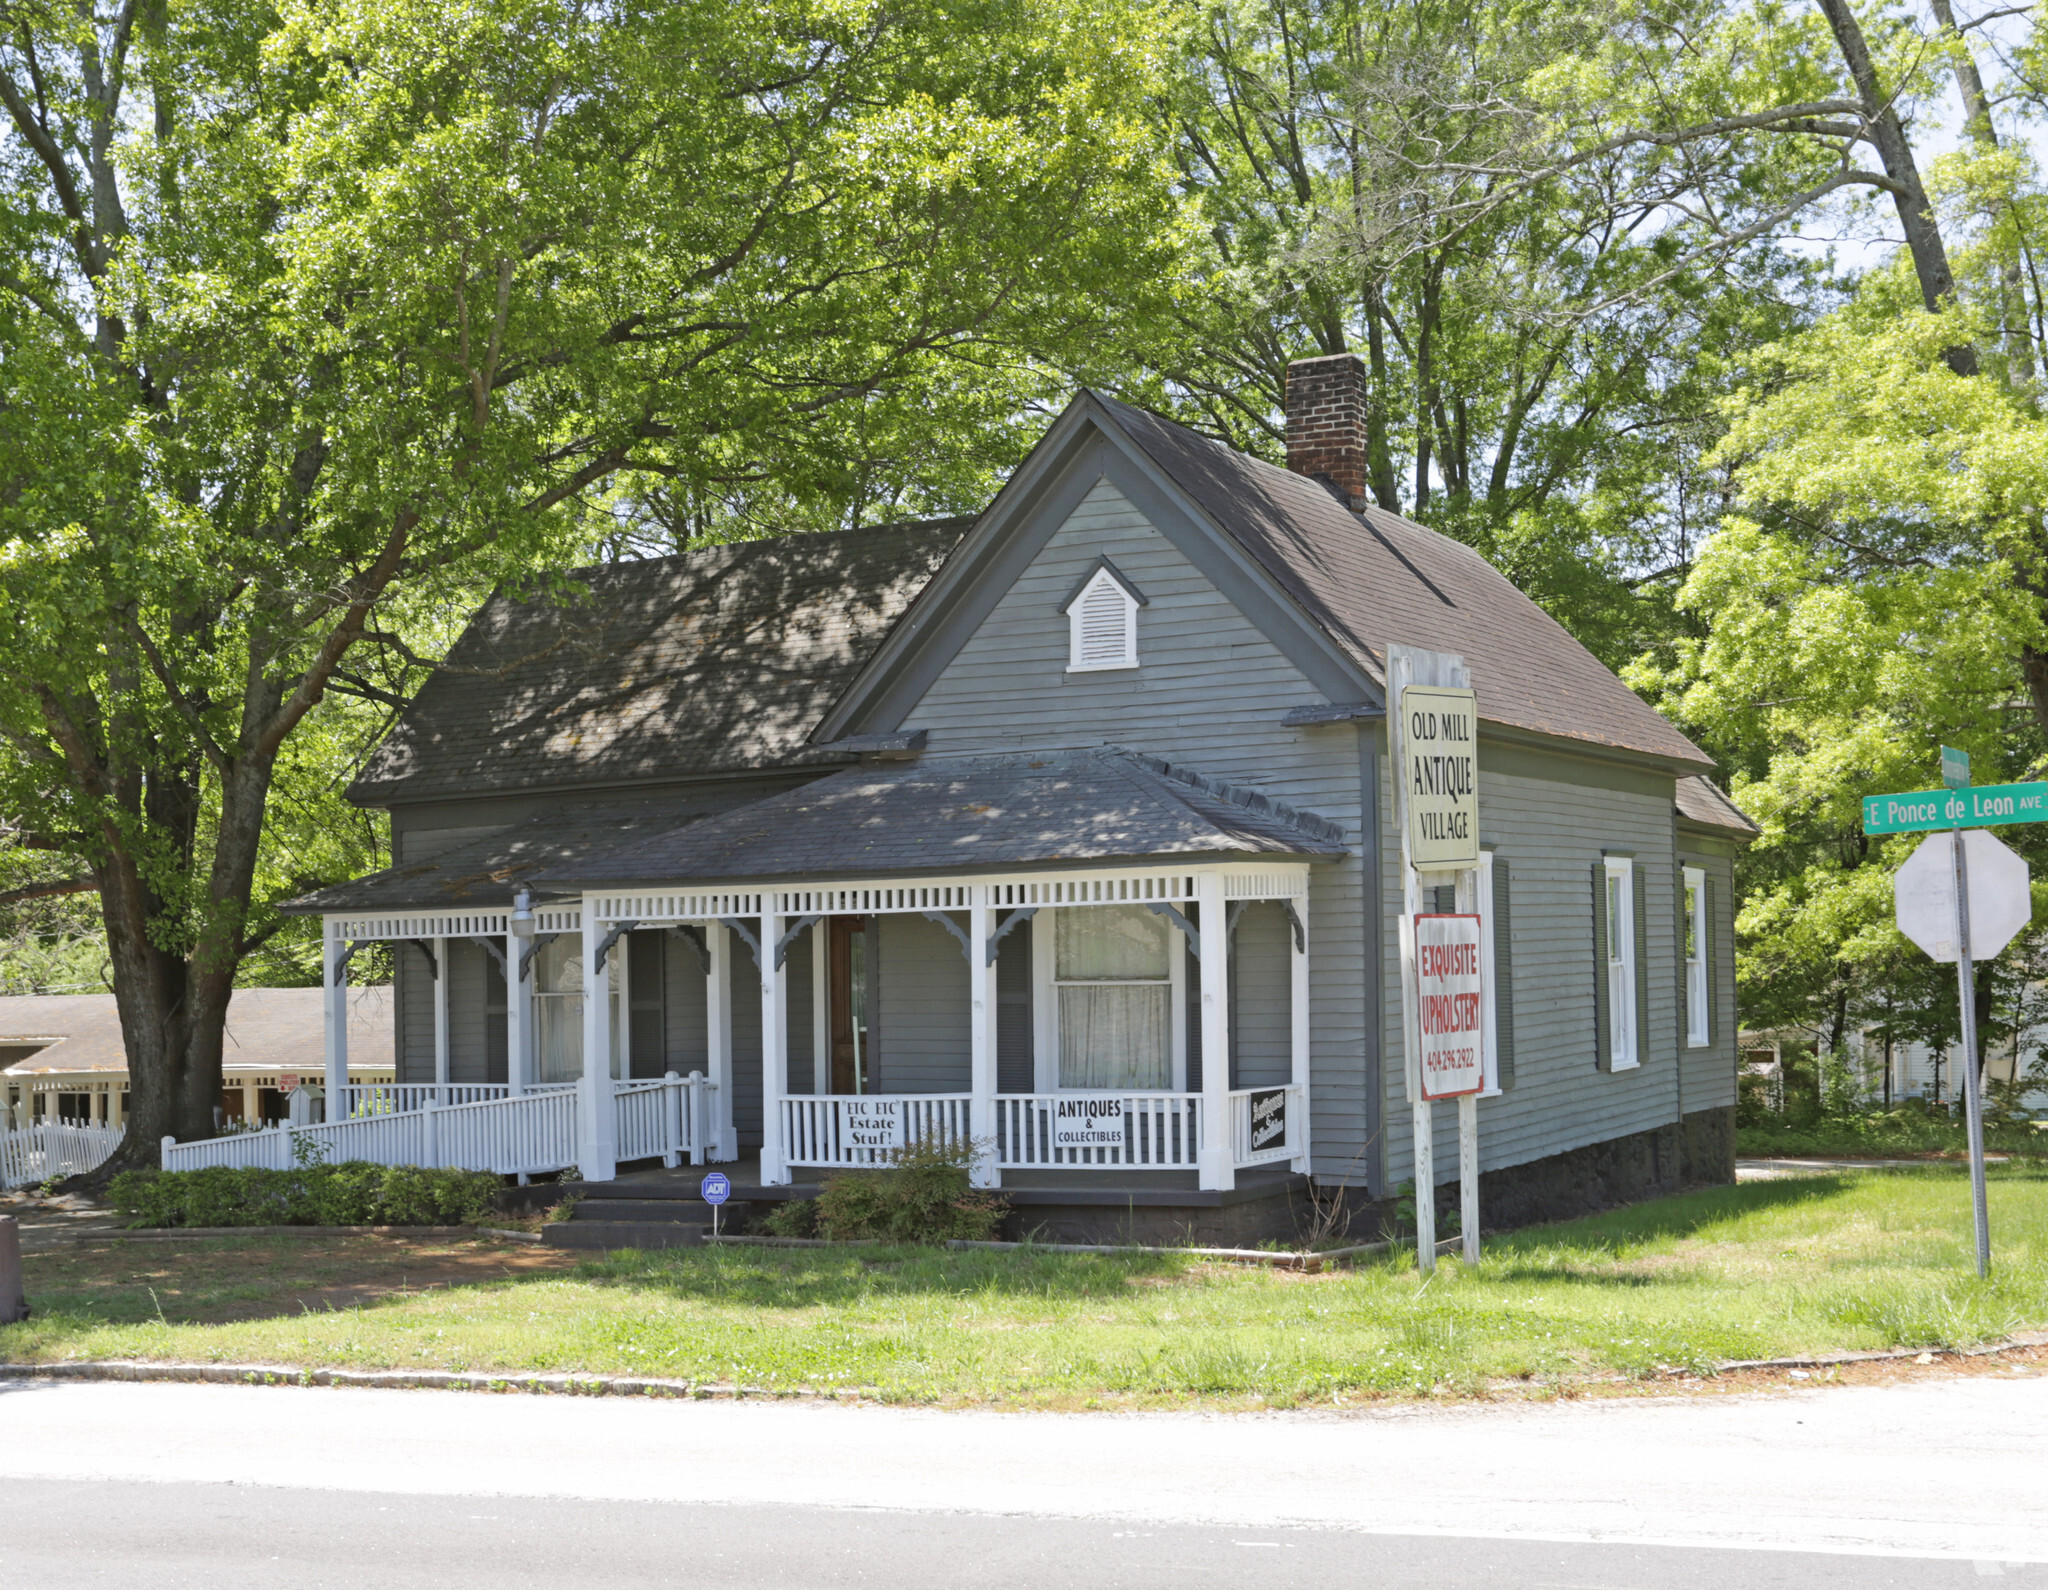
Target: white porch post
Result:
[981, 1009]
[596, 1128]
[774, 1052]
[334, 1009]
[1298, 1013]
[725, 1142]
[1218, 1168]
[440, 1021]
[518, 1017]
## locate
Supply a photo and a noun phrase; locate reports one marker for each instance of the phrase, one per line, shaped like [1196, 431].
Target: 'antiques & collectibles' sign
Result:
[1088, 1123]
[1440, 761]
[1450, 1001]
[1269, 1119]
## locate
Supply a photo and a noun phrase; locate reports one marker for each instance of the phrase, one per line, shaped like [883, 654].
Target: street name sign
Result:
[1450, 997]
[1975, 807]
[1955, 768]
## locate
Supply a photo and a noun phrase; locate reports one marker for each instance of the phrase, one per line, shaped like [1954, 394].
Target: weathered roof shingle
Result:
[716, 659]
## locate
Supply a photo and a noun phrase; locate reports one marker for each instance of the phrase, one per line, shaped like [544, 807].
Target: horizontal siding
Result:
[686, 1040]
[476, 1016]
[923, 1045]
[1262, 1038]
[413, 1012]
[1209, 693]
[1552, 833]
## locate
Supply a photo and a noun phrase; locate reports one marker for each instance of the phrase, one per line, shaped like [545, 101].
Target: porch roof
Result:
[969, 814]
[483, 873]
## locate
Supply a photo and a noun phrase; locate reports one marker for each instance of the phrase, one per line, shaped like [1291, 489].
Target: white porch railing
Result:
[54, 1148]
[1132, 1131]
[1267, 1124]
[396, 1098]
[866, 1130]
[666, 1117]
[519, 1134]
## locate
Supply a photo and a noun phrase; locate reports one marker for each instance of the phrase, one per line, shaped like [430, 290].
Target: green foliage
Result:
[923, 1196]
[355, 1193]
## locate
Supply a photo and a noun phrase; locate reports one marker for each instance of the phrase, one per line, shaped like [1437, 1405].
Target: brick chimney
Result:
[1326, 424]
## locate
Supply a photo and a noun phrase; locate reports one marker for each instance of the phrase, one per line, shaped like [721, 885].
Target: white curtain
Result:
[1112, 972]
[558, 1009]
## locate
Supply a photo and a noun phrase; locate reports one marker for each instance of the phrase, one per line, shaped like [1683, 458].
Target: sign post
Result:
[1433, 722]
[1935, 910]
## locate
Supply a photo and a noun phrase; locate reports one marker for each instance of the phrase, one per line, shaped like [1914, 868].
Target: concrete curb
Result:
[571, 1385]
[184, 1233]
[133, 1370]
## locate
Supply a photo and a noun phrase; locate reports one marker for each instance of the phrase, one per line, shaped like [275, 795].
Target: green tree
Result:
[318, 320]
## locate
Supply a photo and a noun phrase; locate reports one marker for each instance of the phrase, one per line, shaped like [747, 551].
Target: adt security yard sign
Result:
[714, 1189]
[1962, 808]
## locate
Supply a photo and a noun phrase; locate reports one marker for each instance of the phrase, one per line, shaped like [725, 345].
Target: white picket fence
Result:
[56, 1148]
[521, 1134]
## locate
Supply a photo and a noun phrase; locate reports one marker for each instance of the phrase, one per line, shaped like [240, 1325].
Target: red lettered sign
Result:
[1449, 1000]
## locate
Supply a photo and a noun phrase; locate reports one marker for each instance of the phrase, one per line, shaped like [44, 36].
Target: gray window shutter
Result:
[1503, 976]
[1678, 949]
[1603, 1036]
[1642, 934]
[1710, 931]
[1441, 898]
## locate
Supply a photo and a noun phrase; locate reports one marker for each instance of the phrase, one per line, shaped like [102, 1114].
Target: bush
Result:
[923, 1196]
[352, 1194]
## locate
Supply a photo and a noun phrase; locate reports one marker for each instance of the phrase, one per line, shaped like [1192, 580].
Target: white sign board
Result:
[1440, 763]
[2000, 901]
[1088, 1123]
[1449, 1000]
[871, 1123]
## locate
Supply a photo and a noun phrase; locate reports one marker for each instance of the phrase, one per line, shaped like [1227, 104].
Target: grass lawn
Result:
[1866, 1260]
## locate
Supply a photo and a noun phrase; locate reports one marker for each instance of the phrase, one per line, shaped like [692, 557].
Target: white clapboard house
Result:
[1065, 832]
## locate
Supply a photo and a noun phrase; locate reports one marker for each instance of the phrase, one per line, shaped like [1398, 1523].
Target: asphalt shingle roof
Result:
[964, 814]
[1700, 802]
[716, 659]
[483, 873]
[1376, 578]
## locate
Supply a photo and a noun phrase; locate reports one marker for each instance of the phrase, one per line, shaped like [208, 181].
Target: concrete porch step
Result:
[660, 1211]
[610, 1234]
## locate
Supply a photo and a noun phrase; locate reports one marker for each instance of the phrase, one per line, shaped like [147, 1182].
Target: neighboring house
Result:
[1917, 1070]
[1066, 829]
[61, 1055]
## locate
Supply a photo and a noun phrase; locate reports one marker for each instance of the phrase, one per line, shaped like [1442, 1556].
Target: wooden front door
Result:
[847, 976]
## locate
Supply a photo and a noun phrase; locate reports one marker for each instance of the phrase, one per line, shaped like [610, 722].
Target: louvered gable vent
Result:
[1103, 622]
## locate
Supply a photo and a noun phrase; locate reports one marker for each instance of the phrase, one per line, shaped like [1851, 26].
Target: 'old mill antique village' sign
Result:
[1442, 769]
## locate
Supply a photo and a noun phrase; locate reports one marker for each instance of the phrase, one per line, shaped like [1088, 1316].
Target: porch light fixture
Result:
[522, 913]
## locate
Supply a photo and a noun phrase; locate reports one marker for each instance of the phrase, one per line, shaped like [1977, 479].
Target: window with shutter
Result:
[1617, 942]
[1694, 931]
[1103, 626]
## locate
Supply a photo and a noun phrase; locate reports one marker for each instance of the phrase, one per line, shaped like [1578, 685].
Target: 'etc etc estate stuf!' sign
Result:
[1440, 757]
[1450, 1004]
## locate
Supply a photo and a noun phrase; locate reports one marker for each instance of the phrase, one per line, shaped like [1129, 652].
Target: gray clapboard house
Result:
[1067, 831]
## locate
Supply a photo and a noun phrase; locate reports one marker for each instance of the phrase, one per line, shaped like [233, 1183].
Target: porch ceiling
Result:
[972, 813]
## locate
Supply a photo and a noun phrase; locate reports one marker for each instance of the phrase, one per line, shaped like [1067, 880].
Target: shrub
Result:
[797, 1218]
[923, 1196]
[352, 1194]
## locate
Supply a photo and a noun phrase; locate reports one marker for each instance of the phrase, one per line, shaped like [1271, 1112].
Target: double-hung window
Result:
[1112, 988]
[1619, 904]
[1696, 930]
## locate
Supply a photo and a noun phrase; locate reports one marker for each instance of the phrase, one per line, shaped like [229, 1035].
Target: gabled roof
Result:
[1699, 801]
[1376, 578]
[1354, 582]
[967, 814]
[717, 659]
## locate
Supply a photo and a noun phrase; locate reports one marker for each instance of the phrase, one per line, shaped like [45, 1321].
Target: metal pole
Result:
[1973, 1093]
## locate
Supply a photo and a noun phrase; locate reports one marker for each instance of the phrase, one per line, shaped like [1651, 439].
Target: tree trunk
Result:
[1909, 195]
[2012, 305]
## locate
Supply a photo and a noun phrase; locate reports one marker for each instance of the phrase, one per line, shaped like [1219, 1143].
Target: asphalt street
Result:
[1931, 1484]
